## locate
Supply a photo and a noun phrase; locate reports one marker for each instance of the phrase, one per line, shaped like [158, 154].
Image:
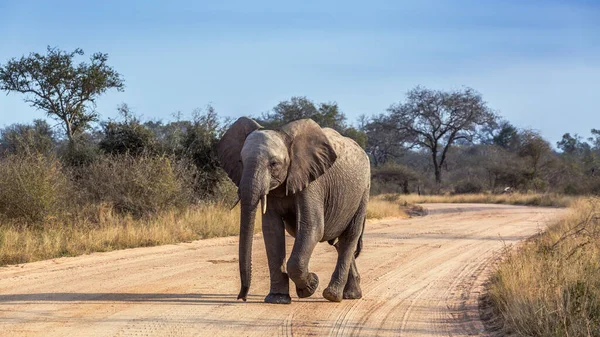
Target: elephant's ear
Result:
[311, 154]
[230, 147]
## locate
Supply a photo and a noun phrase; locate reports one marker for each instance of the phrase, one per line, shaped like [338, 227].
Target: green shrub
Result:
[32, 187]
[129, 137]
[138, 186]
[82, 152]
[199, 147]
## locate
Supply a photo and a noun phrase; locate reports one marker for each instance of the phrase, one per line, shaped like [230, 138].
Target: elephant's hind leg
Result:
[345, 281]
[352, 289]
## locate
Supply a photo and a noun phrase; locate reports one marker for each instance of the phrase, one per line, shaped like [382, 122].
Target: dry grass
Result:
[107, 230]
[380, 208]
[551, 285]
[111, 231]
[532, 199]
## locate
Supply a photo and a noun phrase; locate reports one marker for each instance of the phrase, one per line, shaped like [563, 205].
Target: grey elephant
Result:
[311, 182]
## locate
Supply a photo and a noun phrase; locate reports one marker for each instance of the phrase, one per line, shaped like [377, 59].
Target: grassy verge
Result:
[380, 208]
[109, 231]
[532, 199]
[550, 286]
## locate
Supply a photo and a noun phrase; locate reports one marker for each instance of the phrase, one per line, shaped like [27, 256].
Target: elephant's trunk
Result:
[251, 191]
[246, 232]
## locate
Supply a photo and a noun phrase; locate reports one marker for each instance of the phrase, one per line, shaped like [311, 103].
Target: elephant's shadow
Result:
[190, 298]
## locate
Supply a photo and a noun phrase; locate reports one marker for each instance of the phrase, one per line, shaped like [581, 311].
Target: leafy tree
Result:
[66, 91]
[359, 136]
[327, 115]
[28, 138]
[299, 107]
[129, 136]
[578, 153]
[569, 144]
[435, 120]
[507, 137]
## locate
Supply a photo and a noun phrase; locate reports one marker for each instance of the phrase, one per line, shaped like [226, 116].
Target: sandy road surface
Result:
[420, 277]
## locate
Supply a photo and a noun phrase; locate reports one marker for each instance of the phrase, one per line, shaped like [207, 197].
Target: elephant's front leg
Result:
[274, 236]
[309, 231]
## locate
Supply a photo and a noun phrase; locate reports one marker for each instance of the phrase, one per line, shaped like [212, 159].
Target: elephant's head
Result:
[259, 161]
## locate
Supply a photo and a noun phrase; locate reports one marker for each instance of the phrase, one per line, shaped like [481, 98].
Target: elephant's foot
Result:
[352, 289]
[311, 286]
[332, 294]
[278, 298]
[352, 294]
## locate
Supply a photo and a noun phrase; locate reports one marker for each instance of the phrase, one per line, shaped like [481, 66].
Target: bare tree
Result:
[384, 142]
[64, 90]
[435, 120]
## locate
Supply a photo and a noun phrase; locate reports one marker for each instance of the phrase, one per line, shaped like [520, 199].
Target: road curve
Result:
[420, 277]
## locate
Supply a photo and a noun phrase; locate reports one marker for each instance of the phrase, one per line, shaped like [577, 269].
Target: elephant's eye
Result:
[274, 164]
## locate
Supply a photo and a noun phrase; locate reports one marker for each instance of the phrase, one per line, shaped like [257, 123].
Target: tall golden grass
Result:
[111, 231]
[380, 208]
[551, 285]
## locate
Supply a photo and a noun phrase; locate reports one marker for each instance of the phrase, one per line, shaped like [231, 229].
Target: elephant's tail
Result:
[360, 241]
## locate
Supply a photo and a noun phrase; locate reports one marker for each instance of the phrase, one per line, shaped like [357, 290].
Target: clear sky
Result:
[536, 62]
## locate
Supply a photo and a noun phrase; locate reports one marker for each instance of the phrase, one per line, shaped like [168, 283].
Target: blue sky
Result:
[536, 62]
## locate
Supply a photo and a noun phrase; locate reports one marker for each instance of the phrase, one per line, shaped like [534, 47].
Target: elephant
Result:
[311, 182]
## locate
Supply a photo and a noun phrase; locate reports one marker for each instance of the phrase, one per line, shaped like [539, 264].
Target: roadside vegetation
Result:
[107, 230]
[550, 286]
[380, 208]
[527, 199]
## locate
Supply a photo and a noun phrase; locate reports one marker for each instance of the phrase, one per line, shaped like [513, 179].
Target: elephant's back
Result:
[348, 151]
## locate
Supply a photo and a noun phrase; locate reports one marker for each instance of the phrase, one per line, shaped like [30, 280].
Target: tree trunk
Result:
[438, 175]
[436, 167]
[70, 136]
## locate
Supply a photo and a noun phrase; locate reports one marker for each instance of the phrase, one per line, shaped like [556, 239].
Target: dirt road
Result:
[420, 277]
